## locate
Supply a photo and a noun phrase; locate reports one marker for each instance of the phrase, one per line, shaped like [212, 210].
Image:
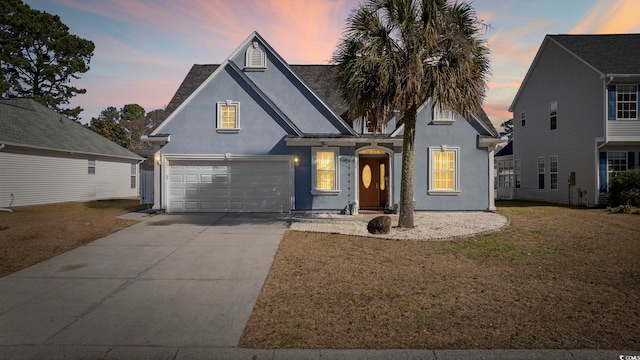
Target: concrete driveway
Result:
[169, 281]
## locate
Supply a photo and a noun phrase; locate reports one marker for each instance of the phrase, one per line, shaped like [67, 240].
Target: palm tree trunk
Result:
[405, 220]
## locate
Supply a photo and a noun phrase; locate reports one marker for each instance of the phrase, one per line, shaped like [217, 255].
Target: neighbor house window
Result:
[228, 119]
[553, 172]
[443, 168]
[518, 172]
[255, 59]
[623, 102]
[133, 176]
[616, 163]
[553, 115]
[92, 167]
[541, 173]
[523, 118]
[442, 116]
[325, 170]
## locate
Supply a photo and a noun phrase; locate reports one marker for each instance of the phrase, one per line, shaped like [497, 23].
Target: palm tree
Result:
[397, 54]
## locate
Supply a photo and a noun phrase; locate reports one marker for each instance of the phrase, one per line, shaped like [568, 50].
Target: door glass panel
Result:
[382, 182]
[366, 176]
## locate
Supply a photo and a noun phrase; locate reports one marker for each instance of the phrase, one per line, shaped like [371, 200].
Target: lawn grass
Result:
[31, 234]
[556, 277]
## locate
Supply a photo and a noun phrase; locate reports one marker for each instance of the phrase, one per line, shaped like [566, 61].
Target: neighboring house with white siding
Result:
[47, 158]
[576, 120]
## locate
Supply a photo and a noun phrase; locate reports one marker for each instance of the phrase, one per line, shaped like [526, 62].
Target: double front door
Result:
[374, 182]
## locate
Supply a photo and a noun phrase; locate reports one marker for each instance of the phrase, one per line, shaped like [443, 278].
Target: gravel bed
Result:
[428, 225]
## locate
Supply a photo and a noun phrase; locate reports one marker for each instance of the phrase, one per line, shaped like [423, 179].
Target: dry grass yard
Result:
[556, 277]
[31, 234]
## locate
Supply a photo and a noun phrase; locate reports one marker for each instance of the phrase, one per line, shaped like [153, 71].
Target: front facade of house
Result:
[576, 121]
[47, 158]
[255, 134]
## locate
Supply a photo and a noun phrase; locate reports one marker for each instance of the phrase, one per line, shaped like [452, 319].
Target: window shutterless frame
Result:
[325, 171]
[553, 115]
[444, 170]
[228, 117]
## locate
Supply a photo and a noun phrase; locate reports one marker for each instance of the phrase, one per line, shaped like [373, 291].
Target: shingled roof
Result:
[24, 122]
[319, 78]
[615, 54]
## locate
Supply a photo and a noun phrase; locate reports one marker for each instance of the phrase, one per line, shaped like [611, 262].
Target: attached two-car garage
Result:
[238, 185]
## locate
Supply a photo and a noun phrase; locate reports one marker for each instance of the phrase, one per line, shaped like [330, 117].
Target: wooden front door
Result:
[374, 175]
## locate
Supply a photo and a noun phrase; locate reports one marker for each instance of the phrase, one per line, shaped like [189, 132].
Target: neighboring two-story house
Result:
[255, 134]
[575, 117]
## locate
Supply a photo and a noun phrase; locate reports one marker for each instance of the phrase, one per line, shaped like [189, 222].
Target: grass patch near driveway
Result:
[556, 277]
[31, 234]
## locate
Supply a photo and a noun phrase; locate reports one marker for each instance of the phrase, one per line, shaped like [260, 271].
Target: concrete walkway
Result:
[172, 287]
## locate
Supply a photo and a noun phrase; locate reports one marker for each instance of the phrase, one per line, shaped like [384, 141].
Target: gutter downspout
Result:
[606, 82]
[6, 209]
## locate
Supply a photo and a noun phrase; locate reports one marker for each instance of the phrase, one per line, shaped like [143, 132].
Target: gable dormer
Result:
[367, 127]
[255, 59]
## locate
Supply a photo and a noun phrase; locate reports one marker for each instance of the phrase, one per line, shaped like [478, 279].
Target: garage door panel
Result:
[206, 178]
[191, 205]
[206, 205]
[221, 178]
[236, 186]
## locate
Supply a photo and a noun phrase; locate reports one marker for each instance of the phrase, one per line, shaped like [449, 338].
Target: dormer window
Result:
[442, 116]
[255, 58]
[369, 127]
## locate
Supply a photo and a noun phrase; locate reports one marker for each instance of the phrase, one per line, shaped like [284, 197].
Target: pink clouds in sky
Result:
[163, 38]
[611, 17]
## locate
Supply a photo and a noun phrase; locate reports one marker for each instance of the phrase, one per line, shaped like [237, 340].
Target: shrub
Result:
[624, 189]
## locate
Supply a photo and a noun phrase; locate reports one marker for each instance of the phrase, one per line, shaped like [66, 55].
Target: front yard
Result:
[555, 278]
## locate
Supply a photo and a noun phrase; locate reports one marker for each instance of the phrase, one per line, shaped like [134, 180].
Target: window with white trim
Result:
[553, 172]
[616, 163]
[626, 102]
[541, 173]
[255, 59]
[228, 117]
[324, 176]
[442, 116]
[133, 175]
[553, 115]
[91, 167]
[444, 172]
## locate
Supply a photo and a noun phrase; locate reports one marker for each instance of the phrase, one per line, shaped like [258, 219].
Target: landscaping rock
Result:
[379, 225]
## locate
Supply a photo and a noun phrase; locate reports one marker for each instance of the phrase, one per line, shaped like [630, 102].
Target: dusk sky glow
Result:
[144, 48]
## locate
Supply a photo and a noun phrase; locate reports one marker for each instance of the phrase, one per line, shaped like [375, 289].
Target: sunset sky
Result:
[144, 48]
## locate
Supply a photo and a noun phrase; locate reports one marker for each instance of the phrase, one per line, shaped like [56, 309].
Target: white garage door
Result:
[230, 186]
